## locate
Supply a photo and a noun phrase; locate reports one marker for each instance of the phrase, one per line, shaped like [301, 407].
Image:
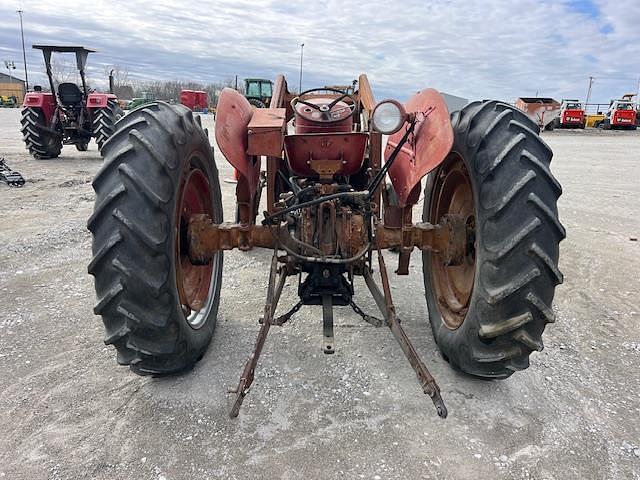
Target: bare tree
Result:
[63, 70]
[120, 75]
[121, 85]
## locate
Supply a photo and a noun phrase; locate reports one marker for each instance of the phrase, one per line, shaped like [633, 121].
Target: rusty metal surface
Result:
[206, 238]
[427, 147]
[233, 116]
[193, 281]
[348, 148]
[453, 268]
[542, 110]
[328, 342]
[340, 232]
[366, 94]
[266, 131]
[375, 162]
[281, 98]
[319, 114]
[423, 236]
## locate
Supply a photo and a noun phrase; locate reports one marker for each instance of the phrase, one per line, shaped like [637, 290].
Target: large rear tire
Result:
[41, 143]
[158, 309]
[488, 314]
[104, 122]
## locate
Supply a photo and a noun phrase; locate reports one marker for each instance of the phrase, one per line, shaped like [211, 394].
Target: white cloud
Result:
[489, 49]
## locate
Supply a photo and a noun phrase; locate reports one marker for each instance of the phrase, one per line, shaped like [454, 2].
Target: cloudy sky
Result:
[476, 49]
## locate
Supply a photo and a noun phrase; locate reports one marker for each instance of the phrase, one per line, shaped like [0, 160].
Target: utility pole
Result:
[24, 55]
[588, 93]
[301, 53]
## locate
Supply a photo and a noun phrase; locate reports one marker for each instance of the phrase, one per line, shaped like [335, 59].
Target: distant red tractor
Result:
[571, 115]
[69, 114]
[195, 100]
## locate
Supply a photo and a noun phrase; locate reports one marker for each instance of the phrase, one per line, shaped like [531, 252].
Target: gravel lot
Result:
[67, 411]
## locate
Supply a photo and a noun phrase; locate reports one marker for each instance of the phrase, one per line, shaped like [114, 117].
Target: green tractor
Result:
[147, 97]
[258, 91]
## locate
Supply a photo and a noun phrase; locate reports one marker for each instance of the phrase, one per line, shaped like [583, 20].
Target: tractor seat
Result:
[69, 94]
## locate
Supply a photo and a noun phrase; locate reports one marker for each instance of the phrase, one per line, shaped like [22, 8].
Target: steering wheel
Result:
[326, 109]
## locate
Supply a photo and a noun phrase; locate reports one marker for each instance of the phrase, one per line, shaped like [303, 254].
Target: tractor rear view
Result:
[335, 200]
[69, 114]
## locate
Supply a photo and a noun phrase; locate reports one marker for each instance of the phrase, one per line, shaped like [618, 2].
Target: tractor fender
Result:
[233, 115]
[426, 148]
[99, 100]
[42, 100]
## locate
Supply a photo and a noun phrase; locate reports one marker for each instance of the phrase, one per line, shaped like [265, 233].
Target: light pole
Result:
[10, 65]
[301, 53]
[24, 55]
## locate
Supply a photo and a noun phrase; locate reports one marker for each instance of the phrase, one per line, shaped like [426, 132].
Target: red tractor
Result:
[68, 115]
[335, 199]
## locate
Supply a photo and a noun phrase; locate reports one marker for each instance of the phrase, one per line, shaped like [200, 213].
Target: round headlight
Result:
[388, 117]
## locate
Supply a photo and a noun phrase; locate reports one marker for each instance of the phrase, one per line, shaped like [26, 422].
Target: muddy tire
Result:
[40, 143]
[488, 314]
[159, 310]
[104, 122]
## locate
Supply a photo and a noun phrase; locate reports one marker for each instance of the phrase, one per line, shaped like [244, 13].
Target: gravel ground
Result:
[68, 411]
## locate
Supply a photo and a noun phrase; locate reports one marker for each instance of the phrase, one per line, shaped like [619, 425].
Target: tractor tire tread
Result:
[34, 135]
[132, 251]
[104, 122]
[517, 242]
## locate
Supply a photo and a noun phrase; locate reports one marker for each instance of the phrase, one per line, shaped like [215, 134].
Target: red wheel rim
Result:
[453, 284]
[193, 281]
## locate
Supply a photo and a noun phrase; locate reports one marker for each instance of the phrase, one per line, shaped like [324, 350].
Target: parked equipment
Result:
[8, 101]
[195, 100]
[620, 116]
[594, 119]
[68, 115]
[488, 236]
[543, 111]
[9, 176]
[258, 91]
[571, 115]
[147, 97]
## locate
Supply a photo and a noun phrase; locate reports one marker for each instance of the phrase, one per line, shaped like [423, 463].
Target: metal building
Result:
[11, 86]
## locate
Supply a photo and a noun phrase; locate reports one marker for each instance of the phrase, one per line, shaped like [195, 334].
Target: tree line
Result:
[63, 70]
